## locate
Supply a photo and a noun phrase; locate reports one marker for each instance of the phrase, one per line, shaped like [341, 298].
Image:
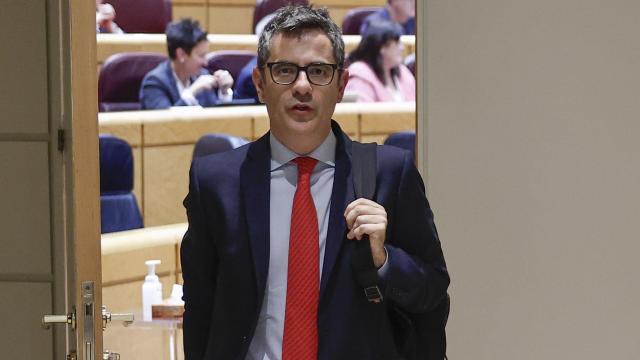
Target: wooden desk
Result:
[163, 140]
[109, 44]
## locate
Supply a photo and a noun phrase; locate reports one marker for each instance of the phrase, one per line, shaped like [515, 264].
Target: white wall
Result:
[532, 126]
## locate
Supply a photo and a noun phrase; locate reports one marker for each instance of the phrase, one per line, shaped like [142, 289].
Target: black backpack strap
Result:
[363, 168]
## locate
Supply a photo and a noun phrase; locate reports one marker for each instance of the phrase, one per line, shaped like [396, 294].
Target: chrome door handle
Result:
[108, 317]
[69, 319]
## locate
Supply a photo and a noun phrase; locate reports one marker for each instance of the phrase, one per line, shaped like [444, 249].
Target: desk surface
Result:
[109, 44]
[189, 113]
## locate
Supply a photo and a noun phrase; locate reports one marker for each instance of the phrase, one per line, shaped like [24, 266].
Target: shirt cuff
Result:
[225, 95]
[382, 271]
[188, 98]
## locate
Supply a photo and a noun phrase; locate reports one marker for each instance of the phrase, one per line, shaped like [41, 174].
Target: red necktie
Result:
[300, 339]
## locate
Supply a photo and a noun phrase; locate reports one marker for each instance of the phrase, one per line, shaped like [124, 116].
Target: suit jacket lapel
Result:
[255, 182]
[341, 195]
[173, 87]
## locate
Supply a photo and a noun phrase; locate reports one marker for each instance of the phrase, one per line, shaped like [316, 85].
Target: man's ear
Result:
[181, 54]
[258, 81]
[342, 83]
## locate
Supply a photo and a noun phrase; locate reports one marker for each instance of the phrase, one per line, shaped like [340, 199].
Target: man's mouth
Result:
[301, 107]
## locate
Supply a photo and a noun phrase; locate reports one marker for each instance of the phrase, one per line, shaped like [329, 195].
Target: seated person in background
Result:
[105, 13]
[402, 12]
[376, 72]
[245, 89]
[182, 80]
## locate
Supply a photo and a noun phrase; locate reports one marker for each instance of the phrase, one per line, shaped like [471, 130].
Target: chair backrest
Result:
[118, 206]
[120, 78]
[142, 16]
[231, 60]
[266, 7]
[354, 17]
[404, 140]
[215, 143]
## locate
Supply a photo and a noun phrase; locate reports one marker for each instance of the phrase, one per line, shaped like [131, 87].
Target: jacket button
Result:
[243, 339]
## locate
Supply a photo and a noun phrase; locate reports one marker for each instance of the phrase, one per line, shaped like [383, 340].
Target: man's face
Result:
[405, 8]
[300, 111]
[195, 61]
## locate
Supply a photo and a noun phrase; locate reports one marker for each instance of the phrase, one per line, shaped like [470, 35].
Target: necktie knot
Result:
[305, 165]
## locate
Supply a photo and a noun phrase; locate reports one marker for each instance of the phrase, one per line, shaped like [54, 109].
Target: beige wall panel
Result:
[230, 19]
[130, 131]
[532, 163]
[23, 305]
[123, 266]
[196, 12]
[137, 176]
[23, 103]
[127, 297]
[180, 132]
[25, 209]
[166, 183]
[388, 123]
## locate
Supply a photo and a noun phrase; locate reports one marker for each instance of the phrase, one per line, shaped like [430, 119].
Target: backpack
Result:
[417, 336]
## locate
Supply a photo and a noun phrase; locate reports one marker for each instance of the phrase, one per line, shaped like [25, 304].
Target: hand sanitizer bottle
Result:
[151, 290]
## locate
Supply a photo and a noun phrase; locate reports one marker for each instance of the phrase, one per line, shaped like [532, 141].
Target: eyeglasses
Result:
[286, 73]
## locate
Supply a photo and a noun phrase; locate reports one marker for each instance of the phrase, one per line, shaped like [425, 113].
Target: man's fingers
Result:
[354, 212]
[369, 229]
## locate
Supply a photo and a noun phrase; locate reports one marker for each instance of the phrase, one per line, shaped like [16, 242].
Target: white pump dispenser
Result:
[151, 290]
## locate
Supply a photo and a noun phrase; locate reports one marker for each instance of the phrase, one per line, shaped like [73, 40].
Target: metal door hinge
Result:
[61, 139]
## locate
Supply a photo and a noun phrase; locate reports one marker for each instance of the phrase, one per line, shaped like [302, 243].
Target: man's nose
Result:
[302, 84]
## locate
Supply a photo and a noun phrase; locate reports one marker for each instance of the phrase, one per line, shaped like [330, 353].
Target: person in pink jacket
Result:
[376, 72]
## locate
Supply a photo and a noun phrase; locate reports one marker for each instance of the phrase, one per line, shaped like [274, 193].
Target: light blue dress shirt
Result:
[267, 340]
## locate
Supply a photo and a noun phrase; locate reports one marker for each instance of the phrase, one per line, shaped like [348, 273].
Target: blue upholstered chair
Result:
[215, 143]
[118, 206]
[404, 140]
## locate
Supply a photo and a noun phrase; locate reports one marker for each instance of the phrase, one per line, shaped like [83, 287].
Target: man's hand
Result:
[368, 217]
[224, 80]
[202, 83]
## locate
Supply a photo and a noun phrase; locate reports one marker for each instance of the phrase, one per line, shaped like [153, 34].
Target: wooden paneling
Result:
[166, 183]
[225, 19]
[195, 11]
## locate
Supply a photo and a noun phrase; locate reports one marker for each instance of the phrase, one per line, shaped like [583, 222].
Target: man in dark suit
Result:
[182, 80]
[267, 258]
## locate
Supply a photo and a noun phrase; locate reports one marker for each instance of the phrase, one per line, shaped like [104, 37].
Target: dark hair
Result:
[373, 39]
[184, 34]
[296, 20]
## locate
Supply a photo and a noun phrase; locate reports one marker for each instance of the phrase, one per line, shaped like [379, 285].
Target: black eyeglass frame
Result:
[270, 65]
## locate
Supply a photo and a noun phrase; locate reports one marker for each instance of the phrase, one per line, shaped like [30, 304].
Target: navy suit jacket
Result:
[225, 255]
[159, 90]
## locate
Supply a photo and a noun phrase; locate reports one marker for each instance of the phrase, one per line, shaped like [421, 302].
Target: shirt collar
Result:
[281, 155]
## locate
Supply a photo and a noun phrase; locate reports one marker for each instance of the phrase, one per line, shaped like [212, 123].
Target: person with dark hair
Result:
[377, 72]
[274, 224]
[182, 80]
[402, 12]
